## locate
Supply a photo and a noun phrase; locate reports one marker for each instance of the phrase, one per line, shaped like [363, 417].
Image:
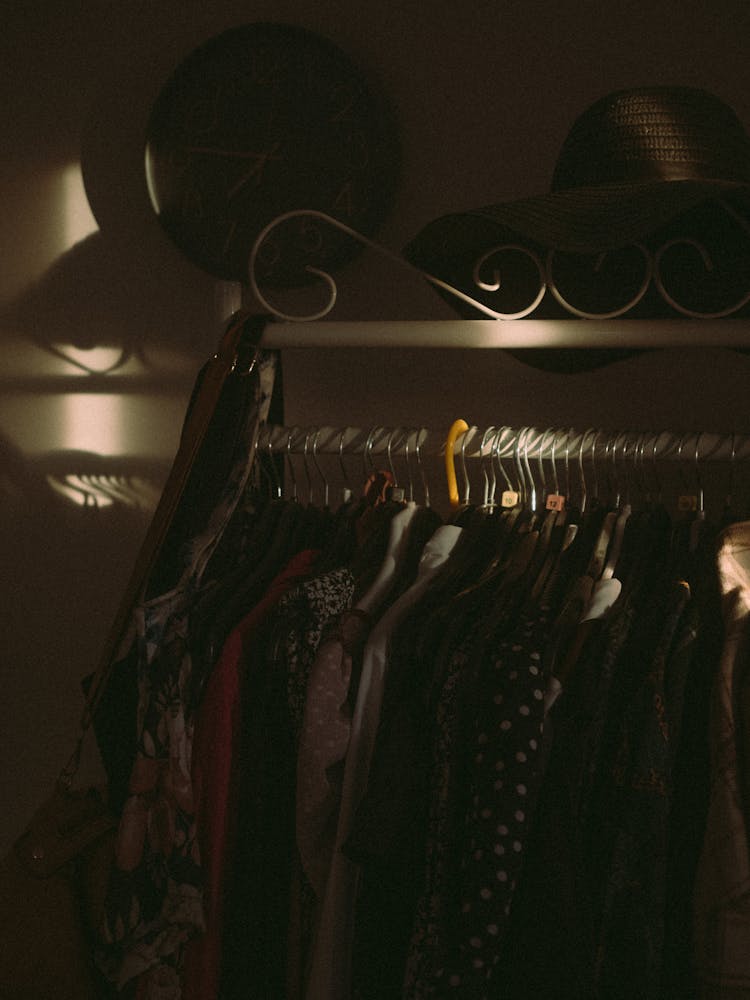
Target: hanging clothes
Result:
[217, 776]
[722, 893]
[330, 975]
[383, 757]
[154, 902]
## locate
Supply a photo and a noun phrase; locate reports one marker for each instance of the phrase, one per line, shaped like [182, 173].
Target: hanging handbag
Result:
[51, 893]
[53, 880]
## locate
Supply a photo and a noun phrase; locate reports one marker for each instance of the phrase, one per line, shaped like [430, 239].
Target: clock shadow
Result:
[105, 292]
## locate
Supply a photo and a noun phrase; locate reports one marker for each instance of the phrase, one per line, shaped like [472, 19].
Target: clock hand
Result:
[256, 171]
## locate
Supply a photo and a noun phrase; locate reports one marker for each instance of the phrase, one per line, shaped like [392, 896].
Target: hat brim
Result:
[580, 221]
[584, 221]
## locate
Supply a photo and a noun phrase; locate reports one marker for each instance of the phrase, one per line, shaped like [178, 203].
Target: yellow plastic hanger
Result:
[458, 427]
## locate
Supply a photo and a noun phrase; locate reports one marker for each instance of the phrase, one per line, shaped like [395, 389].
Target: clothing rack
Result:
[508, 442]
[173, 618]
[498, 466]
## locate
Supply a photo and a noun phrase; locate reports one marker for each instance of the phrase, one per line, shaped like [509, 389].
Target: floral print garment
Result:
[154, 900]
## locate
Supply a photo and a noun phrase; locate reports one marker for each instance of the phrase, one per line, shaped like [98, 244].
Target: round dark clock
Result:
[260, 120]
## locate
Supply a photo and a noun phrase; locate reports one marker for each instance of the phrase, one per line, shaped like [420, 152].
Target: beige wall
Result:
[485, 92]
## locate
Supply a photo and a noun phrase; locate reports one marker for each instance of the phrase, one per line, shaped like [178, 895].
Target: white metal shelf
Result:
[524, 333]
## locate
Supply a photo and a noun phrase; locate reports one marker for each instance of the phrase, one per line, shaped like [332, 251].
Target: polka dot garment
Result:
[508, 709]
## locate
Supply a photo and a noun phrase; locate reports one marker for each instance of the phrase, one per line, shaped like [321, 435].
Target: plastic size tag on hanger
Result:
[555, 501]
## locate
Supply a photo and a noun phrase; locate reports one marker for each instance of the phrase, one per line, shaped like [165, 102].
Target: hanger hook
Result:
[680, 462]
[346, 491]
[318, 467]
[495, 456]
[276, 480]
[389, 454]
[529, 473]
[553, 460]
[367, 454]
[289, 436]
[540, 461]
[701, 508]
[422, 472]
[638, 464]
[483, 459]
[581, 469]
[306, 466]
[496, 448]
[594, 474]
[409, 432]
[729, 499]
[568, 433]
[522, 458]
[624, 477]
[615, 487]
[457, 428]
[465, 438]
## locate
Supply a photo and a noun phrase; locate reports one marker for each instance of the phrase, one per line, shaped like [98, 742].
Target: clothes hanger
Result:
[239, 591]
[699, 521]
[457, 428]
[397, 546]
[563, 520]
[421, 467]
[607, 586]
[580, 532]
[624, 509]
[409, 476]
[599, 551]
[729, 514]
[423, 525]
[552, 516]
[372, 526]
[468, 515]
[485, 458]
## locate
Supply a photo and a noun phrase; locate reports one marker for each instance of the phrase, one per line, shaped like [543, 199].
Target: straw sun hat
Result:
[639, 166]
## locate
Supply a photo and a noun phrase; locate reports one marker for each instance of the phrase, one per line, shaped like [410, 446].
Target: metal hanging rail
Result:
[506, 442]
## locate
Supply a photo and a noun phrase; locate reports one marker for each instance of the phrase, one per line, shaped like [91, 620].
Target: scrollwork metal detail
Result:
[497, 282]
[708, 265]
[654, 273]
[599, 261]
[330, 281]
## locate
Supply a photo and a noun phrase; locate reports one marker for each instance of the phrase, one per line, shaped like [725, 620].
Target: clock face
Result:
[261, 120]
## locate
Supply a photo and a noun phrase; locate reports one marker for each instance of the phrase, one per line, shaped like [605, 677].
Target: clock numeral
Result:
[311, 236]
[343, 203]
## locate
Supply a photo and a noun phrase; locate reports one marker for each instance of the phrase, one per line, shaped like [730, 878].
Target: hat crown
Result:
[654, 133]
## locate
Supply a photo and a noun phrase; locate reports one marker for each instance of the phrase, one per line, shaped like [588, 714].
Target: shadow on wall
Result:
[101, 353]
[104, 292]
[64, 568]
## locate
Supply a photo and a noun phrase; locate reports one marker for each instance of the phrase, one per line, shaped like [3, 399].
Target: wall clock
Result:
[260, 120]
